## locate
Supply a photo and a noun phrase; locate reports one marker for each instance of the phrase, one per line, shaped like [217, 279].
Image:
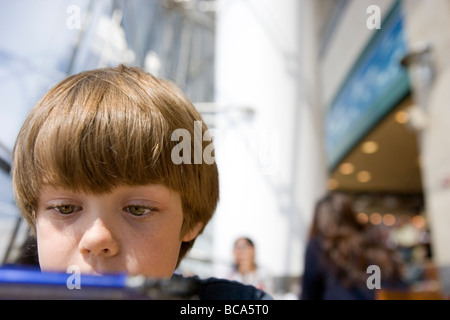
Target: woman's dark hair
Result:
[248, 240]
[250, 243]
[350, 246]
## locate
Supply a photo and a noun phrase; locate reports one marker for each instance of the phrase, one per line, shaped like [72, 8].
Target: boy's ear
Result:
[192, 233]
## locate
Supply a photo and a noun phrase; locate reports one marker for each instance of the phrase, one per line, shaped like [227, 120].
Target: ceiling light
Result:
[402, 117]
[364, 176]
[346, 168]
[375, 218]
[369, 147]
[389, 219]
[332, 184]
[362, 217]
[418, 221]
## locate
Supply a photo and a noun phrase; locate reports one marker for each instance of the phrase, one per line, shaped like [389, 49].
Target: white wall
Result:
[268, 164]
[428, 22]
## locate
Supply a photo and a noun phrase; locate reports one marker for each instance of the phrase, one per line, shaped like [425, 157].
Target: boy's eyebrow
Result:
[137, 192]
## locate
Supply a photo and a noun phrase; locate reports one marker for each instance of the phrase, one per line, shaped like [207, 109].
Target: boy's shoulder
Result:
[222, 289]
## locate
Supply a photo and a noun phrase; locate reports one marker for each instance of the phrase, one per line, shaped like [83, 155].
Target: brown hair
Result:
[349, 246]
[107, 127]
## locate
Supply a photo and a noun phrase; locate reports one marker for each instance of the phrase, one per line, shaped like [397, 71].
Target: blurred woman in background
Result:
[339, 251]
[245, 269]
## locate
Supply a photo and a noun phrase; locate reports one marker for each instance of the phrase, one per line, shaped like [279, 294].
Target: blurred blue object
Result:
[30, 283]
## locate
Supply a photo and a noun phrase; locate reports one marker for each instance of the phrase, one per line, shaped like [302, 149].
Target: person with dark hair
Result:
[245, 269]
[339, 251]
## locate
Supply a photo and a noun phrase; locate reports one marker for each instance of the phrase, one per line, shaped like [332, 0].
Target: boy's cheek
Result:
[50, 258]
[53, 247]
[154, 258]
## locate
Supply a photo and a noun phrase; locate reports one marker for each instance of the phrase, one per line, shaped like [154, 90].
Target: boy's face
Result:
[133, 229]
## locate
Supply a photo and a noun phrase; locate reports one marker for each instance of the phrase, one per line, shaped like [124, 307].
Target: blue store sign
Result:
[375, 85]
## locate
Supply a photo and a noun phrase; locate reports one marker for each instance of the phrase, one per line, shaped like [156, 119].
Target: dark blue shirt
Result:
[221, 289]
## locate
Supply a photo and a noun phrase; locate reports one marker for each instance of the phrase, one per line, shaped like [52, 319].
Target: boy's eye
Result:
[66, 208]
[138, 210]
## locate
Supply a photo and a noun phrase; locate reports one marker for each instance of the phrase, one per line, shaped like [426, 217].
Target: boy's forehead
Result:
[158, 191]
[125, 188]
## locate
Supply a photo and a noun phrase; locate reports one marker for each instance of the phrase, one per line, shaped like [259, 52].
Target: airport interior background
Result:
[304, 96]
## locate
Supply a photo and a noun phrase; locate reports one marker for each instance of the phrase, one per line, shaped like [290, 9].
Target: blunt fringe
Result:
[109, 127]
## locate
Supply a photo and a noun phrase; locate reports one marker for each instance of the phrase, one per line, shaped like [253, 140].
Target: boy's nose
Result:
[99, 241]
